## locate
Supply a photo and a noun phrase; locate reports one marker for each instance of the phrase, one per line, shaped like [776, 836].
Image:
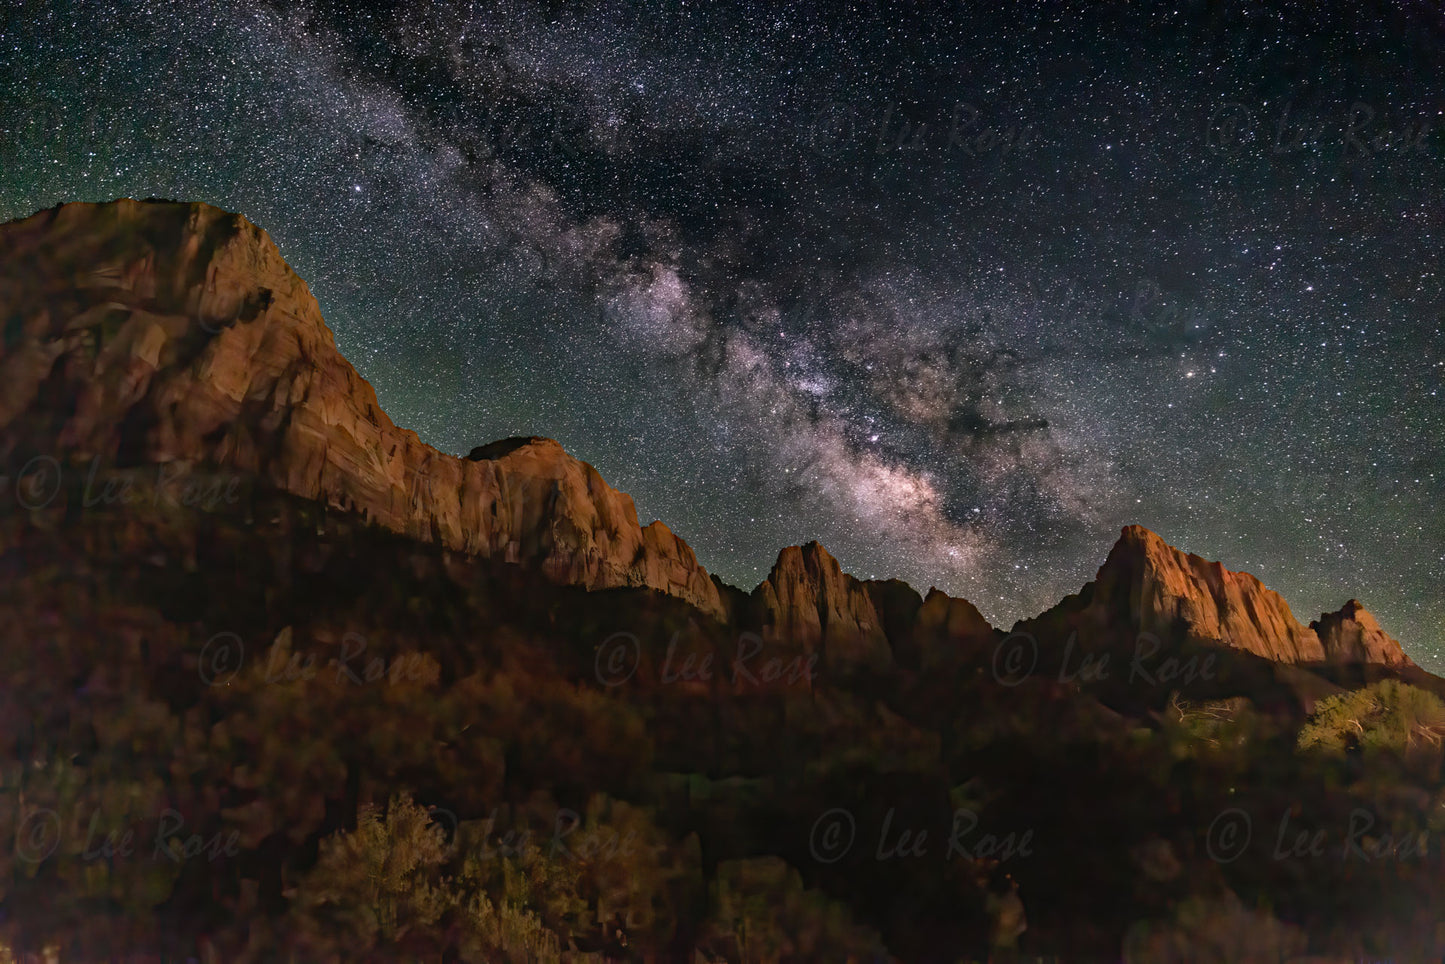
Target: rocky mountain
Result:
[218, 717]
[1353, 635]
[860, 625]
[156, 332]
[808, 600]
[1148, 590]
[142, 332]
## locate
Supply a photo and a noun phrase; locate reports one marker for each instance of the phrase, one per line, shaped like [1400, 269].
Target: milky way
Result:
[956, 295]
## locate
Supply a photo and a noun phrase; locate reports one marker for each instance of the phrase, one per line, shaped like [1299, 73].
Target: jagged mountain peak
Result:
[863, 624]
[504, 447]
[167, 332]
[162, 332]
[1353, 635]
[1147, 586]
[810, 556]
[1179, 595]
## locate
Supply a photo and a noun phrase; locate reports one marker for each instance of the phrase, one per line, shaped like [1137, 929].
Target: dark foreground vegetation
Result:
[245, 728]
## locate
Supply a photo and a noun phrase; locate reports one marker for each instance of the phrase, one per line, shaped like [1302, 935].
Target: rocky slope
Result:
[140, 332]
[1148, 588]
[856, 624]
[1353, 635]
[809, 601]
[155, 332]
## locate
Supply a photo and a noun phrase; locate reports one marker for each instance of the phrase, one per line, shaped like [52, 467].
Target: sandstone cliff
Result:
[950, 629]
[1178, 594]
[863, 624]
[808, 601]
[1353, 635]
[1147, 586]
[146, 332]
[158, 332]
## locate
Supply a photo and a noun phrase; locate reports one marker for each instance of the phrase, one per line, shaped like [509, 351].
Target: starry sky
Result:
[958, 293]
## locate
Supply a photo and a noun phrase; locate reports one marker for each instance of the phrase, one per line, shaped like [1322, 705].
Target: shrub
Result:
[379, 882]
[1385, 715]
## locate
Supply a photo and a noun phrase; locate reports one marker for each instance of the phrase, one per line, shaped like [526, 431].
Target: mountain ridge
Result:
[185, 337]
[1147, 588]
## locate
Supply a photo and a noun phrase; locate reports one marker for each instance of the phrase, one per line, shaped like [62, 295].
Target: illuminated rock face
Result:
[1147, 586]
[156, 332]
[1353, 635]
[1173, 591]
[160, 332]
[808, 601]
[852, 624]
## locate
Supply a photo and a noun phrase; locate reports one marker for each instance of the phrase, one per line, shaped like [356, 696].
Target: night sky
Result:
[957, 294]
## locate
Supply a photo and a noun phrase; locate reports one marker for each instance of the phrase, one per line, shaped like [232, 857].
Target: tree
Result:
[1213, 931]
[383, 888]
[505, 932]
[763, 915]
[1218, 726]
[379, 882]
[1386, 715]
[526, 876]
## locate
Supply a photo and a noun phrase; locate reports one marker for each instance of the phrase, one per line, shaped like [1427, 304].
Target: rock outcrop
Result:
[1180, 595]
[809, 602]
[949, 630]
[143, 332]
[1148, 588]
[156, 332]
[1353, 635]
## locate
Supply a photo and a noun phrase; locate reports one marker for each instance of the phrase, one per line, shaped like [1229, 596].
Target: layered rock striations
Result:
[160, 332]
[156, 332]
[1148, 588]
[1353, 635]
[861, 624]
[808, 601]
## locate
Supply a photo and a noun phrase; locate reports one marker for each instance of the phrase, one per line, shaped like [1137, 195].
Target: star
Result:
[648, 221]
